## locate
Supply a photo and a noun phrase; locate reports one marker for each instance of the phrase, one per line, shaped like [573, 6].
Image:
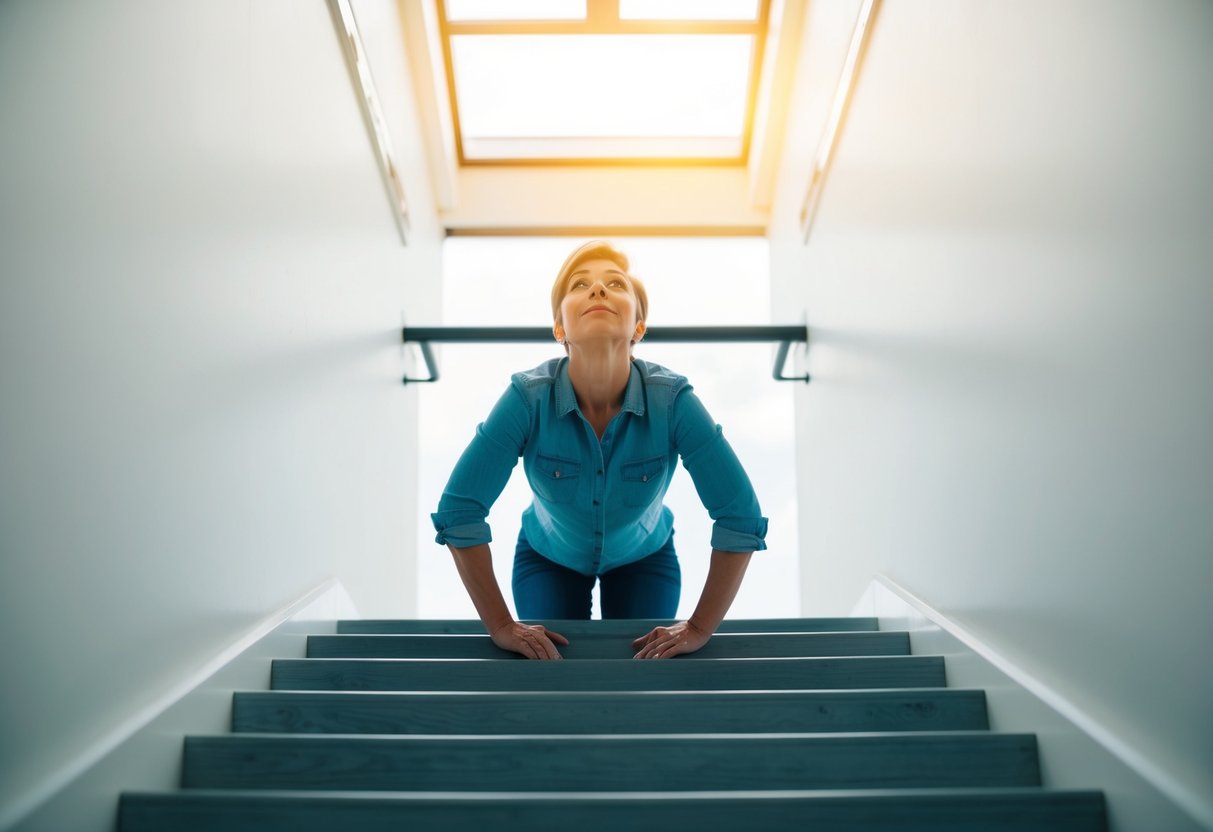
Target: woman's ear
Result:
[639, 331]
[558, 333]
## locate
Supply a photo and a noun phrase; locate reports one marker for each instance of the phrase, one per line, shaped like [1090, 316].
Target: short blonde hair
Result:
[597, 250]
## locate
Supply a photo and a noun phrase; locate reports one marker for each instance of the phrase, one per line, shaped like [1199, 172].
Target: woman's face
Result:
[599, 303]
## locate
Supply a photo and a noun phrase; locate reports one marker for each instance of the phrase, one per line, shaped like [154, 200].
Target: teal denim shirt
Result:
[598, 504]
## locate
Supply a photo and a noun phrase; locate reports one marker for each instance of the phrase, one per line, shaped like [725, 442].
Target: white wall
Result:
[201, 289]
[1008, 289]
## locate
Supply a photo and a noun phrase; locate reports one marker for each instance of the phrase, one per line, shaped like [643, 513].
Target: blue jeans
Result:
[647, 588]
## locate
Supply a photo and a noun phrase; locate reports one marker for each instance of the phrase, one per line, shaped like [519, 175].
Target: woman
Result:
[599, 434]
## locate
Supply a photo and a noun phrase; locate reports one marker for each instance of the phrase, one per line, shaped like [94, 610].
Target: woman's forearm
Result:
[475, 565]
[724, 579]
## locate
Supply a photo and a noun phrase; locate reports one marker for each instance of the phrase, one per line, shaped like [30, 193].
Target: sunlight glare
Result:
[602, 85]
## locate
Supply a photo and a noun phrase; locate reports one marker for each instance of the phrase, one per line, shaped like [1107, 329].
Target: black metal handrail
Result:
[784, 335]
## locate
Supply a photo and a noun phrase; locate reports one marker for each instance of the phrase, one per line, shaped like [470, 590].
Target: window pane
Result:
[595, 86]
[688, 9]
[462, 10]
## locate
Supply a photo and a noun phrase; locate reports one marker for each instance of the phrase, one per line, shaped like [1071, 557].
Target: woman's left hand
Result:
[665, 642]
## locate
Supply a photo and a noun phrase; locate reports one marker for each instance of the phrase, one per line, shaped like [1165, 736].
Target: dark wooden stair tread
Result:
[530, 712]
[919, 810]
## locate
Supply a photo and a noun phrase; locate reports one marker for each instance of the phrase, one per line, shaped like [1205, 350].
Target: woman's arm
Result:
[720, 480]
[475, 566]
[477, 480]
[739, 529]
[481, 473]
[724, 579]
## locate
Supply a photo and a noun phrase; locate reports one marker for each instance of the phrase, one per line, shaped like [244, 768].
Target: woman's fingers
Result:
[549, 649]
[666, 642]
[656, 652]
[543, 646]
[656, 649]
[555, 636]
[650, 637]
[529, 642]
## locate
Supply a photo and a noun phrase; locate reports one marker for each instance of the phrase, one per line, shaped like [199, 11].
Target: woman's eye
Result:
[617, 283]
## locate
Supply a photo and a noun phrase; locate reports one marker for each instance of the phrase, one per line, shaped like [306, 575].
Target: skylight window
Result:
[592, 82]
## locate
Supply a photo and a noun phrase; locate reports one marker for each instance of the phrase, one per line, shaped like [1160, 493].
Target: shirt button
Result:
[644, 478]
[556, 474]
[595, 502]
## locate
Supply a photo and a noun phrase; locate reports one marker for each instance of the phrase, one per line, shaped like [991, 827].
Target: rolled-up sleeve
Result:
[722, 484]
[481, 474]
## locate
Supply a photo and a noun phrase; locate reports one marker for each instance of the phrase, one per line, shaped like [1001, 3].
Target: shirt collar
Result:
[566, 399]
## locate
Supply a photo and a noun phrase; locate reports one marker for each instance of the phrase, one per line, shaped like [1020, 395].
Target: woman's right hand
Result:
[533, 641]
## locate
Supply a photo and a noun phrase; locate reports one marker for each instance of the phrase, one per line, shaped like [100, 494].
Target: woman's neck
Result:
[600, 376]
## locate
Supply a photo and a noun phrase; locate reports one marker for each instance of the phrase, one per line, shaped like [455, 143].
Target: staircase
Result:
[776, 724]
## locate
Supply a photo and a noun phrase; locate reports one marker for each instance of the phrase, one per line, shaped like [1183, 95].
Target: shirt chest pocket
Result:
[642, 480]
[555, 479]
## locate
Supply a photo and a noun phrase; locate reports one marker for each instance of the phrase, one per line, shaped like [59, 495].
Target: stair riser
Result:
[782, 645]
[614, 627]
[629, 674]
[582, 713]
[988, 812]
[611, 764]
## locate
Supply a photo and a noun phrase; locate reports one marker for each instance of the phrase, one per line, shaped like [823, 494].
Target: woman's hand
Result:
[533, 641]
[665, 642]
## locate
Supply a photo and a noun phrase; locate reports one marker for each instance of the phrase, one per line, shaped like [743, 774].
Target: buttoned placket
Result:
[602, 447]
